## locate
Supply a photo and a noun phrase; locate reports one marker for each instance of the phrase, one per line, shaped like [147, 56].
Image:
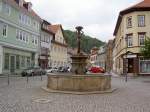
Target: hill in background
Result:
[87, 42]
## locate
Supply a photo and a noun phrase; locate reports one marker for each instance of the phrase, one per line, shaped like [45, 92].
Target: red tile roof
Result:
[54, 28]
[142, 6]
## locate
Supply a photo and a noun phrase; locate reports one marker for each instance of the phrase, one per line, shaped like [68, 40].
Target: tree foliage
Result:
[146, 48]
[87, 42]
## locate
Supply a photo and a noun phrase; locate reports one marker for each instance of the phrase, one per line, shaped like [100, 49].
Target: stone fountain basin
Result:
[79, 83]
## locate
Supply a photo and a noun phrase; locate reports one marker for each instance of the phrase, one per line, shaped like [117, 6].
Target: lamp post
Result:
[126, 62]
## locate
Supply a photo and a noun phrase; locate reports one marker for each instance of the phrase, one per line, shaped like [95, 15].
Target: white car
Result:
[49, 70]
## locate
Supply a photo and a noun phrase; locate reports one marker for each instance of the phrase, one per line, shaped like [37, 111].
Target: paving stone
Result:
[133, 96]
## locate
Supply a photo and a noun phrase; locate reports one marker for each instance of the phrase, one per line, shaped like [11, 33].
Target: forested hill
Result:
[87, 42]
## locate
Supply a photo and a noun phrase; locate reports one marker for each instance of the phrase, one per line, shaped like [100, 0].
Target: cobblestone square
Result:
[20, 96]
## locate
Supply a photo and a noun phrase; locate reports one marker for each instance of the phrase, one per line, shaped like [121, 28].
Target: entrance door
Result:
[130, 66]
[12, 64]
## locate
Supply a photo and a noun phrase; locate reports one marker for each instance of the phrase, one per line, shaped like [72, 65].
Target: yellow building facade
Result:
[58, 53]
[132, 28]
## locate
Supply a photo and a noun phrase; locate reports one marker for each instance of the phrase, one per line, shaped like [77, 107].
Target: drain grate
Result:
[43, 101]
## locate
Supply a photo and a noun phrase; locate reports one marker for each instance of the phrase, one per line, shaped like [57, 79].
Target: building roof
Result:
[142, 6]
[16, 5]
[55, 28]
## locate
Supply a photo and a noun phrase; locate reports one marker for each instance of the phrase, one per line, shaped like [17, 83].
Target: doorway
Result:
[130, 65]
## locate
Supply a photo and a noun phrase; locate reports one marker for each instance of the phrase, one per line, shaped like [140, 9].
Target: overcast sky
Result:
[98, 17]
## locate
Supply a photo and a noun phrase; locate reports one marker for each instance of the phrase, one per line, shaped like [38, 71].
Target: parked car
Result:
[96, 70]
[55, 69]
[63, 69]
[49, 70]
[33, 71]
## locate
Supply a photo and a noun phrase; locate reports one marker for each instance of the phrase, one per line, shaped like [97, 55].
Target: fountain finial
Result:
[79, 34]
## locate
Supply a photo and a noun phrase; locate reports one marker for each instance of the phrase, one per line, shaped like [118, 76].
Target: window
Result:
[23, 61]
[6, 65]
[144, 66]
[27, 38]
[6, 8]
[17, 62]
[141, 21]
[28, 61]
[129, 22]
[24, 36]
[129, 40]
[17, 34]
[4, 32]
[141, 38]
[34, 40]
[21, 36]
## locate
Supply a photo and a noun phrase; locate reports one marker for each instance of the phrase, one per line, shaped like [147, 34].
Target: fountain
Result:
[78, 82]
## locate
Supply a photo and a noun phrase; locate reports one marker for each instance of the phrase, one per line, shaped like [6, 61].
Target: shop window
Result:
[17, 62]
[23, 61]
[6, 63]
[144, 66]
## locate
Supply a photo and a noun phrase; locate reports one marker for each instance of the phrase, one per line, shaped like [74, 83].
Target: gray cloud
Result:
[98, 17]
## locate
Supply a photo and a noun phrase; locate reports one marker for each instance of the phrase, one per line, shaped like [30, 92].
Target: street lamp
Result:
[126, 62]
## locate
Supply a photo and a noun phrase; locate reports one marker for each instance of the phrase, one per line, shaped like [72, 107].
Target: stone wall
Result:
[79, 83]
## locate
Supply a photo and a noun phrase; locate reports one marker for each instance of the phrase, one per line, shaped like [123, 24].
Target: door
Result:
[12, 64]
[130, 66]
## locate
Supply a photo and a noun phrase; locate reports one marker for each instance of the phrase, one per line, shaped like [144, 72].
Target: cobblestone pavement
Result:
[20, 96]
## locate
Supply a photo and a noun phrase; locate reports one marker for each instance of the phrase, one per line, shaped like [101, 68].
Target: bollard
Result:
[41, 76]
[27, 77]
[8, 80]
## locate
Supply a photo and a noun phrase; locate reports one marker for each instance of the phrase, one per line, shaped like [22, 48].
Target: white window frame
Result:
[6, 30]
[140, 60]
[141, 21]
[141, 37]
[18, 34]
[129, 40]
[34, 39]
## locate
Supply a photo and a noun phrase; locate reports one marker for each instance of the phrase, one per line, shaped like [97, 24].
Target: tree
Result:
[87, 42]
[146, 48]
